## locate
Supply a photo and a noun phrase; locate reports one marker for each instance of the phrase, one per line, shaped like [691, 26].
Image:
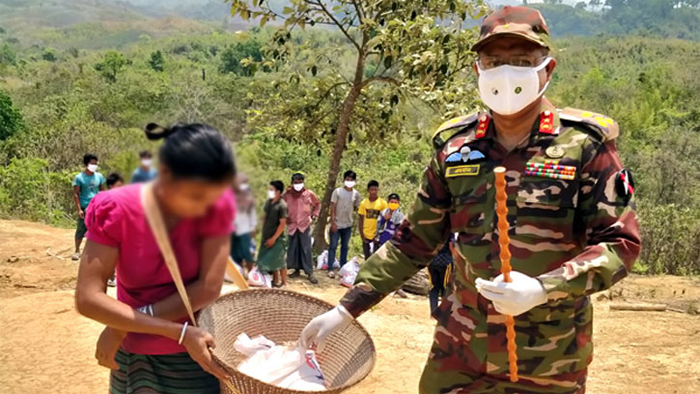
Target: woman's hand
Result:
[197, 341]
[107, 346]
[270, 243]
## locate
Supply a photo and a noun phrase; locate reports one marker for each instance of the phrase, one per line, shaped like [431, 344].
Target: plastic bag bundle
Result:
[282, 366]
[322, 261]
[348, 273]
[258, 279]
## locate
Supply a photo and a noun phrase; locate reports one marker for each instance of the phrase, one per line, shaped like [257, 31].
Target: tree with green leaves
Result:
[400, 50]
[157, 61]
[111, 65]
[11, 121]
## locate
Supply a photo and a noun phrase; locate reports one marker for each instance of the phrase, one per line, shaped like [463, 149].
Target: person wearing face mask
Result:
[86, 185]
[145, 172]
[271, 255]
[390, 219]
[573, 228]
[344, 203]
[304, 207]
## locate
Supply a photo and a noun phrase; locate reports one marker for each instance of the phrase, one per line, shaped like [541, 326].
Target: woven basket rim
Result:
[245, 293]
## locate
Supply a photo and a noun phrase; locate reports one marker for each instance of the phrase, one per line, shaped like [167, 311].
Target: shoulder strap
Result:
[450, 128]
[603, 127]
[155, 222]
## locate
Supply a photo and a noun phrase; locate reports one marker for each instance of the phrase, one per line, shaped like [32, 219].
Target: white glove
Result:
[324, 325]
[514, 298]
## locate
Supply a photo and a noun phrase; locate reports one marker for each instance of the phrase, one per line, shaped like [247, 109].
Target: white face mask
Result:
[271, 194]
[146, 162]
[298, 186]
[92, 167]
[506, 90]
[350, 184]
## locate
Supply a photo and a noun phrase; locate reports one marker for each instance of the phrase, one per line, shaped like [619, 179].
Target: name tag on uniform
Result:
[457, 171]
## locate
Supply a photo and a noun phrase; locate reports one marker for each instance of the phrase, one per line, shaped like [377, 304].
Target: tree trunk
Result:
[337, 155]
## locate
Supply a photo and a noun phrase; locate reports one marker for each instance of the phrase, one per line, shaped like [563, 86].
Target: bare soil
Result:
[46, 347]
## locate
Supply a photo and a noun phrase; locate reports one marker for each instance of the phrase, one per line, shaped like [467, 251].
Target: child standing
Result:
[390, 219]
[439, 270]
[271, 256]
[86, 185]
[370, 209]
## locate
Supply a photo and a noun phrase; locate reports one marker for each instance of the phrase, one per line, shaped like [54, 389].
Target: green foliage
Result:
[29, 190]
[237, 58]
[8, 56]
[111, 65]
[659, 18]
[11, 121]
[49, 54]
[157, 61]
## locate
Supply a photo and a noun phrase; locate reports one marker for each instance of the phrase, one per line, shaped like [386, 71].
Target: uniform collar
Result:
[546, 125]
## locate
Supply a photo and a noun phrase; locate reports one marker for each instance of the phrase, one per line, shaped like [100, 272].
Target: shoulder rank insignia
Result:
[450, 128]
[484, 121]
[605, 127]
[547, 123]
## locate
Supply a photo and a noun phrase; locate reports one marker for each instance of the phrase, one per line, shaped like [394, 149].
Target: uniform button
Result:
[483, 118]
[547, 113]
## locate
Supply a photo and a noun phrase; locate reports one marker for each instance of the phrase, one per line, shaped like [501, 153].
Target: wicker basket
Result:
[281, 315]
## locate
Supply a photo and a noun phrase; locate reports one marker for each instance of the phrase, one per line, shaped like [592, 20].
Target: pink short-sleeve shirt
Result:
[117, 219]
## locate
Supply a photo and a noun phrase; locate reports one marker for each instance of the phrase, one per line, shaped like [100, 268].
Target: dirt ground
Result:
[46, 347]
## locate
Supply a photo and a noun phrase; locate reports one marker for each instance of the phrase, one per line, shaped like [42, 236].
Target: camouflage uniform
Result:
[577, 236]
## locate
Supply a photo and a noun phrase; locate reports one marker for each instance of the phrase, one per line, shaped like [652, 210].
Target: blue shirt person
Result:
[86, 185]
[145, 172]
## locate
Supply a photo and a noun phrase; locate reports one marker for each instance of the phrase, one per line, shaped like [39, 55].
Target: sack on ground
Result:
[282, 366]
[348, 272]
[322, 261]
[258, 279]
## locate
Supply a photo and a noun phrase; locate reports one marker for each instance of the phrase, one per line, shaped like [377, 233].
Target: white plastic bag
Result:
[322, 261]
[348, 272]
[258, 279]
[280, 366]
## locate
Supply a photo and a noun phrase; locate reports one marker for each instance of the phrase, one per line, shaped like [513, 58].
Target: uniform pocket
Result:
[546, 208]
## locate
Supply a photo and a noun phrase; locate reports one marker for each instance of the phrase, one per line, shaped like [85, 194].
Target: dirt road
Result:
[45, 347]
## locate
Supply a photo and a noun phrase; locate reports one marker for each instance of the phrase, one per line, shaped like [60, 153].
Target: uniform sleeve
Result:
[415, 243]
[219, 219]
[611, 231]
[104, 220]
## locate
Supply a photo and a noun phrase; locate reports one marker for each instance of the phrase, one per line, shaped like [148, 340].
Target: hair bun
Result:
[157, 132]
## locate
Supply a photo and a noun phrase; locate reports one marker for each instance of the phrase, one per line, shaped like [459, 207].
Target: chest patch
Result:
[465, 170]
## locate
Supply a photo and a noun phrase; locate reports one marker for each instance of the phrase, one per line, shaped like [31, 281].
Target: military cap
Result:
[524, 22]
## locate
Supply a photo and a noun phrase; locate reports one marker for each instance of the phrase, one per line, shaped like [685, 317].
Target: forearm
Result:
[76, 199]
[597, 268]
[115, 314]
[360, 226]
[280, 230]
[200, 293]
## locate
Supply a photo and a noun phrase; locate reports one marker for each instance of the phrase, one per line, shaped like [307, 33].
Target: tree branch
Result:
[337, 23]
[359, 11]
[379, 79]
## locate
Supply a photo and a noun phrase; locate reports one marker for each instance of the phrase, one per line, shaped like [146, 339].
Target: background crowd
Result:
[289, 213]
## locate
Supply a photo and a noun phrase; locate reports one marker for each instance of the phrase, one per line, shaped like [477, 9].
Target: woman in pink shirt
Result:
[146, 343]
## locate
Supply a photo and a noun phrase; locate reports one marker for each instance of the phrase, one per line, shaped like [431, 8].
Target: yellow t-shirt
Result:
[371, 211]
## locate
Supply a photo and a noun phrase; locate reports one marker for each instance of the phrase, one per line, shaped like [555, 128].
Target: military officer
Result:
[573, 228]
